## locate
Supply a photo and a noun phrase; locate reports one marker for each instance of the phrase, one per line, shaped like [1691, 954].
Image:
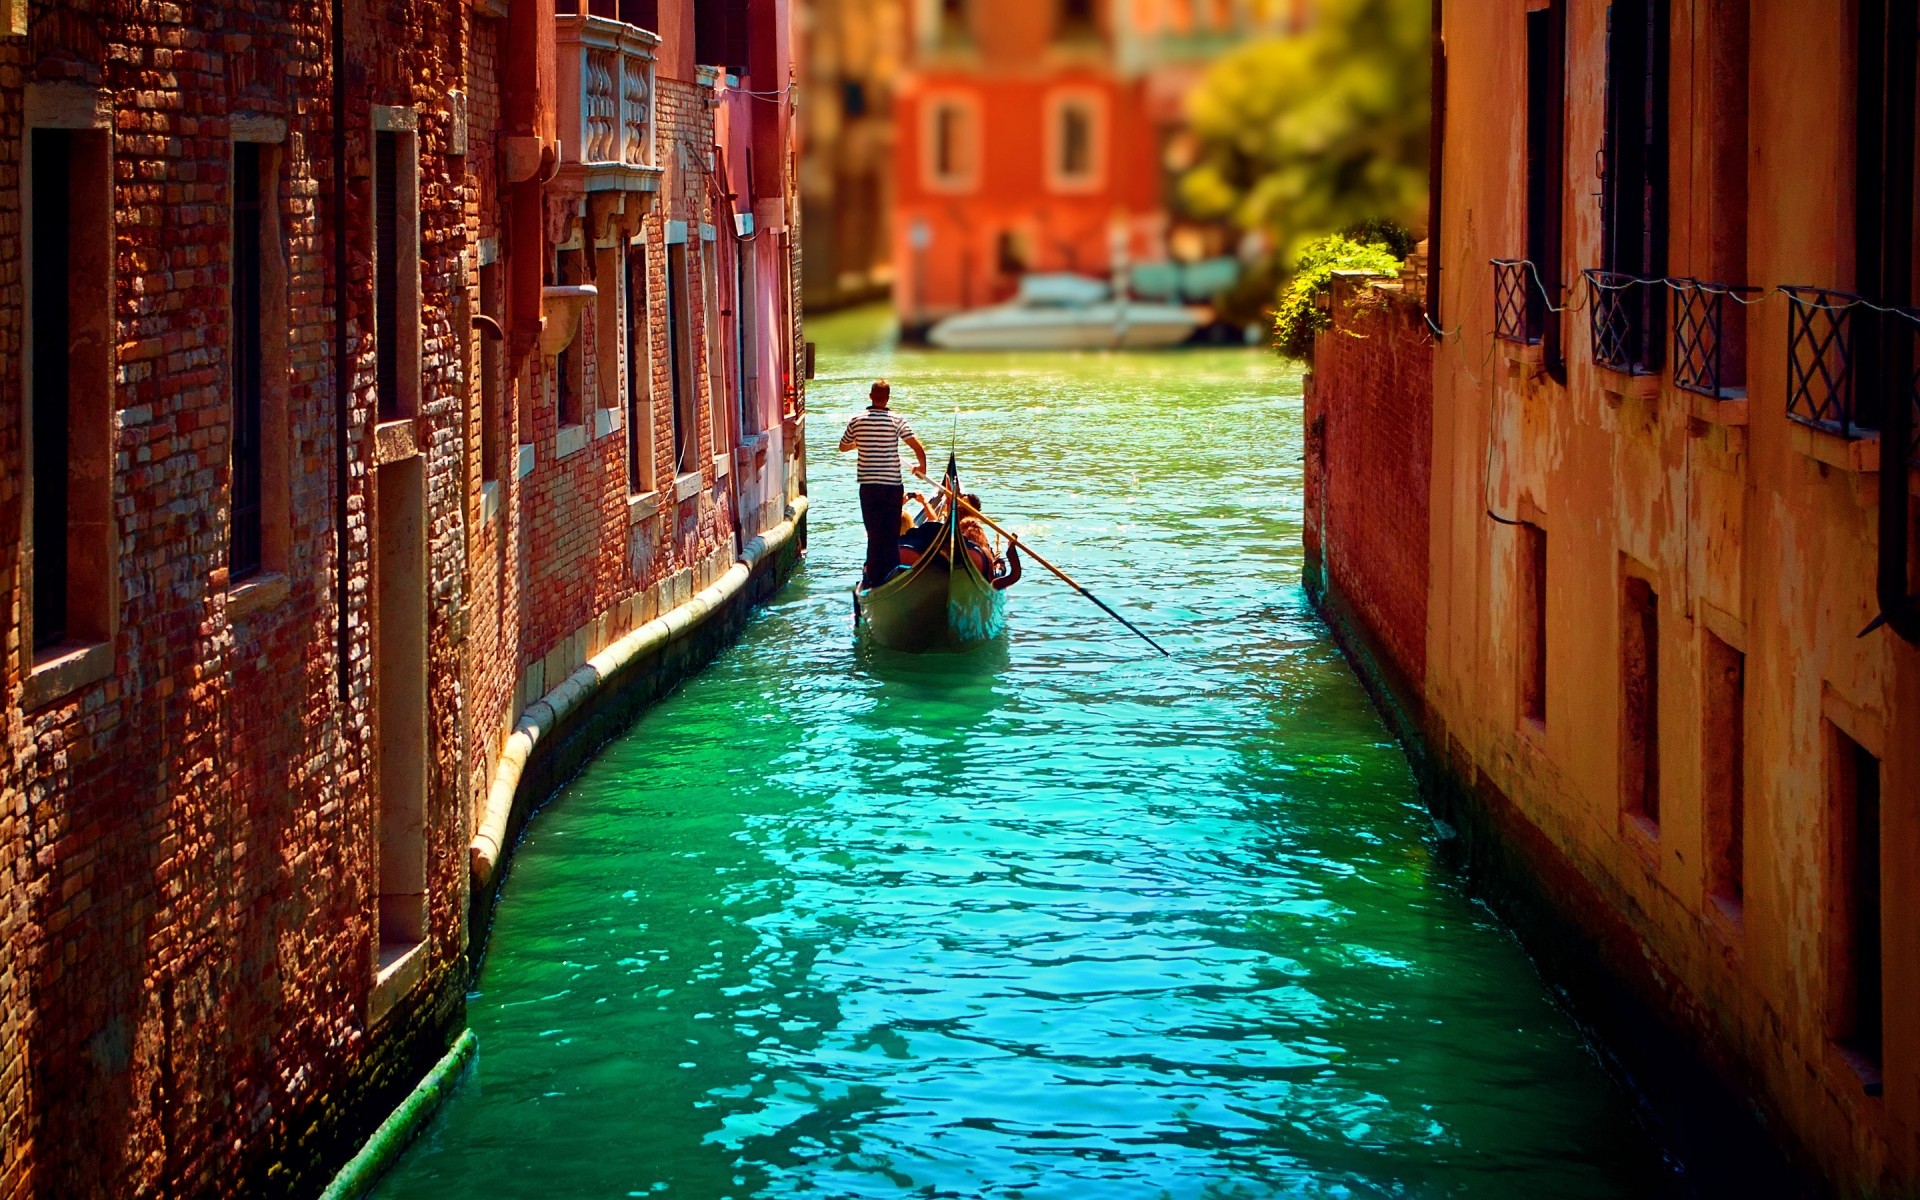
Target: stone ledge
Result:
[66, 672]
[255, 595]
[1860, 455]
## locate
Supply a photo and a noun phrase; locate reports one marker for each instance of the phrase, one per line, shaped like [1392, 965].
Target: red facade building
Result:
[377, 380]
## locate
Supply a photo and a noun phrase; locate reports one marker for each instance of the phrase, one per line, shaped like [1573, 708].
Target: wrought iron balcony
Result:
[1519, 310]
[606, 104]
[1624, 321]
[1701, 359]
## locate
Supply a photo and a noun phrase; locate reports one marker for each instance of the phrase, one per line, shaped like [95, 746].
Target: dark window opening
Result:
[1859, 1011]
[1723, 741]
[1633, 214]
[720, 33]
[568, 365]
[953, 20]
[1077, 20]
[680, 357]
[1884, 206]
[50, 315]
[244, 534]
[946, 141]
[1076, 141]
[1640, 700]
[386, 272]
[492, 304]
[745, 340]
[1546, 177]
[639, 373]
[1533, 623]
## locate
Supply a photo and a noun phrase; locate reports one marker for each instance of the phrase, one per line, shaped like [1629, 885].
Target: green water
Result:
[1055, 919]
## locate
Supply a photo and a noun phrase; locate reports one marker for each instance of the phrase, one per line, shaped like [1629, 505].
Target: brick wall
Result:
[1369, 466]
[189, 839]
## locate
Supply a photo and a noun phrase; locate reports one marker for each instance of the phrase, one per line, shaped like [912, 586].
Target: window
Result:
[1728, 80]
[680, 358]
[1883, 204]
[1640, 702]
[746, 340]
[1723, 744]
[69, 375]
[569, 376]
[396, 265]
[720, 34]
[719, 314]
[243, 545]
[492, 368]
[1077, 21]
[1546, 176]
[1633, 187]
[952, 145]
[1854, 910]
[954, 27]
[1532, 581]
[639, 374]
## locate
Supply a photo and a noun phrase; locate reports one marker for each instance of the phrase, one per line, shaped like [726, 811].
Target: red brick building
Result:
[376, 379]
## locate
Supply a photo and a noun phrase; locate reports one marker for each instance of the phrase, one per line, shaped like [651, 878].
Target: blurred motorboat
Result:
[1067, 312]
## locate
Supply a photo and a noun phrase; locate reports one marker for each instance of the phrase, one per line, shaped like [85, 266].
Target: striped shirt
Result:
[876, 433]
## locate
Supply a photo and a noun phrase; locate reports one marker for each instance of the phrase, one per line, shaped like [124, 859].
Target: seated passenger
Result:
[1007, 572]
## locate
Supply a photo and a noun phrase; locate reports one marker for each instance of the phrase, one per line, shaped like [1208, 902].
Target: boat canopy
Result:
[1061, 291]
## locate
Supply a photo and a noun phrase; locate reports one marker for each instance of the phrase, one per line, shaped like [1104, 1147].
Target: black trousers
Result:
[880, 510]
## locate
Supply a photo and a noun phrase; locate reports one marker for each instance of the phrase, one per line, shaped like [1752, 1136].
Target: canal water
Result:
[1055, 919]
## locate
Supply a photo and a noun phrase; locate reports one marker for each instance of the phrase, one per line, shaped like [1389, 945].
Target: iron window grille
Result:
[1820, 351]
[1699, 335]
[1624, 320]
[1519, 308]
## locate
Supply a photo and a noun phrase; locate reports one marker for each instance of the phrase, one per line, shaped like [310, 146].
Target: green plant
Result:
[1298, 318]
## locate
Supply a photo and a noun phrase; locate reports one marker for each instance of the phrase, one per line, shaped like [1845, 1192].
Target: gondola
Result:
[942, 601]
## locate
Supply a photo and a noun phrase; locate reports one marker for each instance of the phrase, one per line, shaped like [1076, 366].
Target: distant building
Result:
[1044, 135]
[364, 372]
[1633, 545]
[850, 60]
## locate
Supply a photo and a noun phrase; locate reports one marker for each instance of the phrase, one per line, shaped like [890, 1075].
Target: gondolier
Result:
[877, 434]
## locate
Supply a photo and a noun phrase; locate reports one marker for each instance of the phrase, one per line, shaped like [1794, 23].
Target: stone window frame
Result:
[568, 374]
[965, 177]
[490, 376]
[56, 672]
[643, 496]
[403, 124]
[270, 585]
[610, 366]
[1092, 103]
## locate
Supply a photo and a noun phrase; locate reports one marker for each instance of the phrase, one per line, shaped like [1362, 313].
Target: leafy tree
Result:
[1300, 137]
[1298, 317]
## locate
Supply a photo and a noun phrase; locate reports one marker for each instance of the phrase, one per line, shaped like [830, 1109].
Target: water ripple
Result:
[1059, 918]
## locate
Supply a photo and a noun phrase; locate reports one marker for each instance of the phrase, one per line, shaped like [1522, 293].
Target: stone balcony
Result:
[606, 86]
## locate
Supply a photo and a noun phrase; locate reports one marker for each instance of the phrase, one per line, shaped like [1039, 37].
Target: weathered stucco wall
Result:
[1755, 536]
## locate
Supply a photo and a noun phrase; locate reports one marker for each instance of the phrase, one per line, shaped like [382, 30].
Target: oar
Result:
[1069, 580]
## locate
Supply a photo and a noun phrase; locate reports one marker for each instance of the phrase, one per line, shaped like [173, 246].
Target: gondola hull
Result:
[934, 605]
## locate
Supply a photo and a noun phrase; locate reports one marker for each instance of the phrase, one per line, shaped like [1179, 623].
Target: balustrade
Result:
[606, 104]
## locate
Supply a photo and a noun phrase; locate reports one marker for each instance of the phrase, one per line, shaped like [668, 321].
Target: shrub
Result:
[1297, 319]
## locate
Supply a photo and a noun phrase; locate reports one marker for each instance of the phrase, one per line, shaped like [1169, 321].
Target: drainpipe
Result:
[342, 384]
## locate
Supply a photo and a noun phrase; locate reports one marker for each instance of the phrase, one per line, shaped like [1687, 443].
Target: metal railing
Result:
[1820, 351]
[1623, 313]
[1700, 337]
[606, 92]
[1518, 307]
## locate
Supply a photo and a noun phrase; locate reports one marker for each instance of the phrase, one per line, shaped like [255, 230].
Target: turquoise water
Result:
[1059, 918]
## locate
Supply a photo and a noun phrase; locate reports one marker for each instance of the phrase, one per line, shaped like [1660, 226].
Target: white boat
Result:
[1066, 312]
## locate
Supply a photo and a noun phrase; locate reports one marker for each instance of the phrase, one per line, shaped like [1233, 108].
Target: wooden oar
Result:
[1070, 581]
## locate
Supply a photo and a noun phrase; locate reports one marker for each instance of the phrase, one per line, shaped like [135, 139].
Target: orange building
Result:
[1015, 151]
[1659, 653]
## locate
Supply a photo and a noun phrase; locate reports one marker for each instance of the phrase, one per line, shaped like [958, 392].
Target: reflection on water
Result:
[1054, 918]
